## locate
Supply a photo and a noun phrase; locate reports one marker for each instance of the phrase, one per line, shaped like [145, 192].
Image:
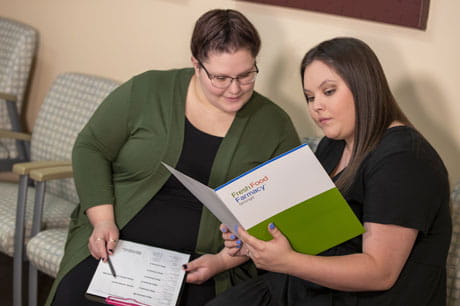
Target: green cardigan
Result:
[116, 157]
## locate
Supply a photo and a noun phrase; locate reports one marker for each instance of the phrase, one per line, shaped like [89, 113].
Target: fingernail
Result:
[224, 230]
[184, 266]
[236, 228]
[232, 237]
[271, 225]
[238, 246]
[238, 241]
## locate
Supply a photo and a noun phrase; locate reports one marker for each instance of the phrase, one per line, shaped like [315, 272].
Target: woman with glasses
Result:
[206, 121]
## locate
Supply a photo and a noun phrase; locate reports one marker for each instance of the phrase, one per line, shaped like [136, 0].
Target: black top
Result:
[403, 182]
[171, 219]
[152, 225]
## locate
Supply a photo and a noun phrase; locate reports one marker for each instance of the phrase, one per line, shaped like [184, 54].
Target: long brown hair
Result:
[375, 107]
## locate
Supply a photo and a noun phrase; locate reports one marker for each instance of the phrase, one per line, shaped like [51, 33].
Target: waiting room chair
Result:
[18, 45]
[70, 102]
[45, 248]
[453, 260]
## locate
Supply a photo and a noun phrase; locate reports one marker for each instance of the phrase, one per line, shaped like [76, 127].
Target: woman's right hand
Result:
[104, 237]
[103, 240]
[232, 243]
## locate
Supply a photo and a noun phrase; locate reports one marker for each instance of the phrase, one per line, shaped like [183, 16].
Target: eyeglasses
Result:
[223, 81]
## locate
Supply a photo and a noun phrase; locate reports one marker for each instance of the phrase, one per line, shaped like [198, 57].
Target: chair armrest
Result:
[8, 97]
[15, 135]
[25, 168]
[53, 173]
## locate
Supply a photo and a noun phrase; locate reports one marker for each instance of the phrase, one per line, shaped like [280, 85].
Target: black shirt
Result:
[171, 219]
[402, 182]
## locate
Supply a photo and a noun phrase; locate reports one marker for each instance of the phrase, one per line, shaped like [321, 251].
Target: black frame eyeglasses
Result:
[223, 81]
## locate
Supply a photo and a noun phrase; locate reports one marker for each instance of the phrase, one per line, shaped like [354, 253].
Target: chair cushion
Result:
[45, 251]
[56, 213]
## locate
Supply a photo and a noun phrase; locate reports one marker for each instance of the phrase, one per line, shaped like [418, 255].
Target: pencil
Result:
[111, 267]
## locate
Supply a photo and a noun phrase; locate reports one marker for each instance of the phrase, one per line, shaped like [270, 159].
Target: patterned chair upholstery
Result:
[46, 249]
[18, 45]
[56, 214]
[453, 260]
[70, 102]
[312, 141]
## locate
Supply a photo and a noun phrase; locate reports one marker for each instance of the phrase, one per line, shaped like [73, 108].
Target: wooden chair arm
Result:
[8, 97]
[53, 173]
[15, 135]
[25, 168]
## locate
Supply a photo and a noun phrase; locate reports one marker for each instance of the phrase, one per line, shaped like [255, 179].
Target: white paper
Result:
[263, 185]
[145, 274]
[207, 196]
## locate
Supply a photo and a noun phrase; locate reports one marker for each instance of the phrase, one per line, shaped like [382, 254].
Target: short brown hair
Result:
[220, 31]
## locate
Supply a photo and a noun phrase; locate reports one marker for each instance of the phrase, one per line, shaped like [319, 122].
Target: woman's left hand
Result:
[268, 255]
[203, 268]
[232, 244]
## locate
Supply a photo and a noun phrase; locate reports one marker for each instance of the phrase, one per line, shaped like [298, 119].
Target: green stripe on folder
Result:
[314, 225]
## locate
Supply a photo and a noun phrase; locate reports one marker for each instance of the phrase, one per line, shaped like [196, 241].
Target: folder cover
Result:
[293, 191]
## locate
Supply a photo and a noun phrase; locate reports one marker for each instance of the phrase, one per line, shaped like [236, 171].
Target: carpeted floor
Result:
[6, 283]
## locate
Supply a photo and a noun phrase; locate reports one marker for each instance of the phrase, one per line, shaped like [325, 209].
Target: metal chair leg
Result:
[36, 227]
[33, 292]
[19, 240]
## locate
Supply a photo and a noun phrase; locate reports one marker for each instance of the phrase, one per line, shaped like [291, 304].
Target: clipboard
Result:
[145, 276]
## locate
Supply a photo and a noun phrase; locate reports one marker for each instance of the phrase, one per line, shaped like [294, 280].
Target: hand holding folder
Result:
[293, 191]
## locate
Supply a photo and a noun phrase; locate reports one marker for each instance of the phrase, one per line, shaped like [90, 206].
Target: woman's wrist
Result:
[229, 262]
[101, 215]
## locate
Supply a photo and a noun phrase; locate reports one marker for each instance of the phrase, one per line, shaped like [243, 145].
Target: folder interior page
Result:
[207, 196]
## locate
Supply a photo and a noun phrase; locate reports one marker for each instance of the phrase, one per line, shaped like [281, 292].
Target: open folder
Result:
[293, 191]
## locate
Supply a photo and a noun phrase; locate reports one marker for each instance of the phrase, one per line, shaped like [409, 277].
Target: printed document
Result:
[145, 275]
[293, 191]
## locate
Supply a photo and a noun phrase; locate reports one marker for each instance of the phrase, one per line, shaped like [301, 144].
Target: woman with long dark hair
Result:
[391, 177]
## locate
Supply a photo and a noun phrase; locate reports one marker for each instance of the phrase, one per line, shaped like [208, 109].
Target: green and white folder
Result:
[293, 191]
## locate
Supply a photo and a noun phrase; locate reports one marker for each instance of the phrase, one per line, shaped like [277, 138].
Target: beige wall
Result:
[119, 38]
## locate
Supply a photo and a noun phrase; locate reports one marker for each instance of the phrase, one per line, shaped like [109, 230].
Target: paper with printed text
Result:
[145, 275]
